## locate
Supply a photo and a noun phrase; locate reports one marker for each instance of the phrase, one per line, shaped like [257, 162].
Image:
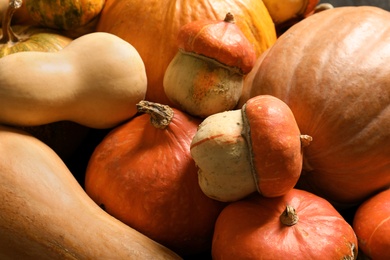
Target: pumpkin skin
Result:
[152, 27]
[372, 226]
[335, 80]
[64, 15]
[145, 177]
[252, 229]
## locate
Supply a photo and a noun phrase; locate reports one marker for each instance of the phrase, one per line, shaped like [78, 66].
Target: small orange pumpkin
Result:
[142, 173]
[372, 226]
[298, 225]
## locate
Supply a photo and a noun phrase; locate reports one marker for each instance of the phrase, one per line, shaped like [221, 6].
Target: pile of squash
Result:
[215, 129]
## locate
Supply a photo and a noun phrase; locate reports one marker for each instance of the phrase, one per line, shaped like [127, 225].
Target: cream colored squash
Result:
[95, 81]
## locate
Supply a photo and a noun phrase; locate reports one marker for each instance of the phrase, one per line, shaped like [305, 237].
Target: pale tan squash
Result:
[95, 81]
[45, 213]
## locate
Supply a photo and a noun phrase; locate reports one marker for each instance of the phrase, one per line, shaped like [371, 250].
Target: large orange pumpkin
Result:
[332, 70]
[151, 26]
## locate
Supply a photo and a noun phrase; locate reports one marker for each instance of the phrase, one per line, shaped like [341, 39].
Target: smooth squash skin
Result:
[45, 213]
[95, 81]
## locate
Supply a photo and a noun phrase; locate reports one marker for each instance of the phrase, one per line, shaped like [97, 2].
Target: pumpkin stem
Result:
[305, 140]
[8, 34]
[160, 115]
[229, 18]
[289, 217]
[323, 7]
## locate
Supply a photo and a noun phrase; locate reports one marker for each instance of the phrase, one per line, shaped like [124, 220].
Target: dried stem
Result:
[229, 18]
[160, 115]
[289, 217]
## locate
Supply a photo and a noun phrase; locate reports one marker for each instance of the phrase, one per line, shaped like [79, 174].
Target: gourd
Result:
[256, 148]
[152, 27]
[142, 173]
[298, 225]
[18, 38]
[206, 75]
[371, 223]
[95, 81]
[64, 15]
[45, 213]
[285, 13]
[63, 137]
[335, 81]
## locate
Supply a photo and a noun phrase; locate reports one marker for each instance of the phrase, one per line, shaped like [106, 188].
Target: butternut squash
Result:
[45, 213]
[95, 81]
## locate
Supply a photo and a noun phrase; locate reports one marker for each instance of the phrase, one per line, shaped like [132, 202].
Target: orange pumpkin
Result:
[372, 226]
[152, 27]
[298, 225]
[331, 70]
[142, 173]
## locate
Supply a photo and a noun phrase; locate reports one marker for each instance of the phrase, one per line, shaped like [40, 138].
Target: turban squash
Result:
[332, 70]
[152, 27]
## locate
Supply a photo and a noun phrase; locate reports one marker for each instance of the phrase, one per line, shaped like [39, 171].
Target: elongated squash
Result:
[95, 81]
[45, 213]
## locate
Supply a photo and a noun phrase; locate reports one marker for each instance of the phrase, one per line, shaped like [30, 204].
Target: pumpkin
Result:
[102, 79]
[206, 75]
[331, 70]
[152, 27]
[64, 15]
[371, 223]
[45, 213]
[282, 11]
[298, 225]
[142, 173]
[285, 13]
[256, 148]
[20, 38]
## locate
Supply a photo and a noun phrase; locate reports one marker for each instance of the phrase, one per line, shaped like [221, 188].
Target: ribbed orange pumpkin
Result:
[151, 26]
[332, 70]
